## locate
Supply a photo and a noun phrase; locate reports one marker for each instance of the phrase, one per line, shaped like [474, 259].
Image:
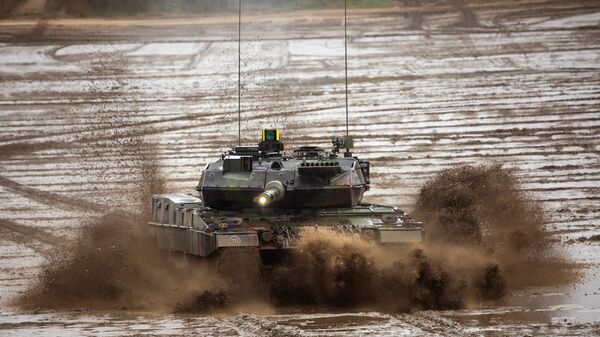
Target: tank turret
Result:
[264, 176]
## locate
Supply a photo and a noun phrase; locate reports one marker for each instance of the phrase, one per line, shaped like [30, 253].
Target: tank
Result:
[262, 197]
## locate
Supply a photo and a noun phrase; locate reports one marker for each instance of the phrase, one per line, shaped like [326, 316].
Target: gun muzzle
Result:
[274, 191]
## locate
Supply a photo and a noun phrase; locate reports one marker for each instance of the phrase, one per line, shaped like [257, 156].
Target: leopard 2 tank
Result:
[259, 196]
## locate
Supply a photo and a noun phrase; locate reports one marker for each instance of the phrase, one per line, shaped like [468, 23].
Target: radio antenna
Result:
[240, 72]
[347, 140]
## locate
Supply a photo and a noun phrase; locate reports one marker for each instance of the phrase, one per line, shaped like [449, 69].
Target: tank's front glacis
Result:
[264, 177]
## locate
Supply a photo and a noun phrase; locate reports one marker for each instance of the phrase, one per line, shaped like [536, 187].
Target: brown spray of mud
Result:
[108, 266]
[484, 234]
[112, 263]
[485, 237]
[484, 209]
[336, 271]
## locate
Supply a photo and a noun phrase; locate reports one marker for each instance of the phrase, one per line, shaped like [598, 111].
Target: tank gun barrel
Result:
[274, 191]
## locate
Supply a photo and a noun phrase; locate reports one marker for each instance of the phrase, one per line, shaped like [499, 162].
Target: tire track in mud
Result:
[51, 199]
[9, 150]
[53, 53]
[28, 233]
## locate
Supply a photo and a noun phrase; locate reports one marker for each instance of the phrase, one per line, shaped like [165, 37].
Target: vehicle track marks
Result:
[27, 235]
[51, 199]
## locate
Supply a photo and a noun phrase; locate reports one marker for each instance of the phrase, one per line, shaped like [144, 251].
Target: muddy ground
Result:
[430, 87]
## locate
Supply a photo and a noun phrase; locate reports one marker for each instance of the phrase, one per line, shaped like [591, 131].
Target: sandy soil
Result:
[430, 87]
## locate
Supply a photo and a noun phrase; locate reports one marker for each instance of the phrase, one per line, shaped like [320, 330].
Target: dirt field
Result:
[430, 87]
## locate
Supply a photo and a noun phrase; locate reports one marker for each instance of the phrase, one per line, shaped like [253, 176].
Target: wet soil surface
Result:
[431, 87]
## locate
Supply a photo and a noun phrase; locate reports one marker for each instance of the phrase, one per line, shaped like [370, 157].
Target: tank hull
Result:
[184, 224]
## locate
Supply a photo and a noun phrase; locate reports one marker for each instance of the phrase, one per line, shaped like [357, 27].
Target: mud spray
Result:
[485, 238]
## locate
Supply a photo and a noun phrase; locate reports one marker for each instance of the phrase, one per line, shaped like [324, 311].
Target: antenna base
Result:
[341, 143]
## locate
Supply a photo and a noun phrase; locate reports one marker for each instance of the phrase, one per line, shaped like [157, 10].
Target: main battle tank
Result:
[259, 196]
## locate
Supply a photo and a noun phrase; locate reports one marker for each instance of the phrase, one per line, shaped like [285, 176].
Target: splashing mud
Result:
[463, 203]
[346, 272]
[111, 265]
[484, 234]
[483, 208]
